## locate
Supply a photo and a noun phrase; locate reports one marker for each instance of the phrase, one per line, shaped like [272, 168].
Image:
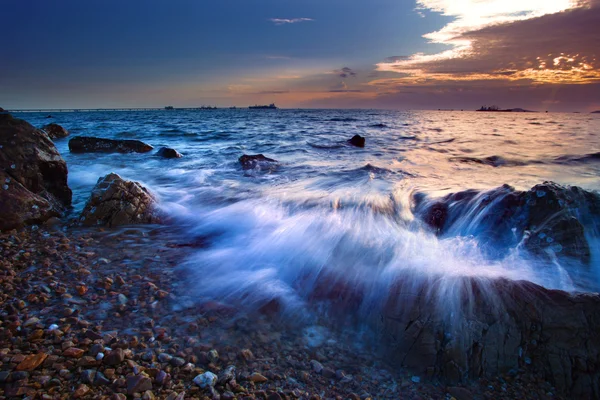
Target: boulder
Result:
[502, 326]
[84, 144]
[547, 219]
[257, 161]
[357, 141]
[33, 175]
[115, 201]
[55, 131]
[167, 152]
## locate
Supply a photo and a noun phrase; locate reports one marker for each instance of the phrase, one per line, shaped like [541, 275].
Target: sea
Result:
[328, 207]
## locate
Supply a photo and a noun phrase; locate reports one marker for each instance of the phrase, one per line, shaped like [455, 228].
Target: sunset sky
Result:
[428, 54]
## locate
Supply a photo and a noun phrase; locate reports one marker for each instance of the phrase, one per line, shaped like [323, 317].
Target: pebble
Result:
[257, 378]
[207, 379]
[138, 384]
[316, 366]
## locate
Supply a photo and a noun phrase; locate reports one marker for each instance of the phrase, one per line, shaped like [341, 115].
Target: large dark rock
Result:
[257, 161]
[55, 131]
[503, 326]
[167, 152]
[548, 219]
[357, 141]
[84, 144]
[115, 201]
[33, 186]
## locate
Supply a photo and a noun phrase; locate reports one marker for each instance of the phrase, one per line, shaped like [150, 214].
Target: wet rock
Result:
[55, 131]
[227, 375]
[548, 219]
[100, 379]
[316, 366]
[138, 384]
[81, 144]
[33, 175]
[207, 379]
[73, 352]
[31, 362]
[88, 376]
[115, 201]
[257, 378]
[114, 357]
[167, 152]
[257, 161]
[357, 141]
[81, 391]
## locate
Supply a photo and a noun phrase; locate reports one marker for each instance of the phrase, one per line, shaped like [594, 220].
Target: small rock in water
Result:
[207, 379]
[357, 141]
[167, 152]
[415, 379]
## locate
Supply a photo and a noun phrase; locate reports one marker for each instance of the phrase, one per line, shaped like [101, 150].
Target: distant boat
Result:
[497, 109]
[169, 108]
[269, 107]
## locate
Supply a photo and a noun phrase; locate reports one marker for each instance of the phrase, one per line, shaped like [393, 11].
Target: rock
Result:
[114, 357]
[549, 219]
[55, 131]
[257, 161]
[357, 141]
[177, 361]
[257, 378]
[81, 391]
[84, 144]
[207, 379]
[167, 152]
[88, 376]
[115, 201]
[100, 379]
[73, 352]
[497, 334]
[227, 375]
[33, 175]
[460, 393]
[164, 357]
[138, 384]
[31, 362]
[316, 366]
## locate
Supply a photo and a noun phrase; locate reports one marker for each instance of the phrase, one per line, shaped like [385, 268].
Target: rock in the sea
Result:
[84, 144]
[55, 131]
[357, 141]
[547, 218]
[115, 201]
[257, 161]
[33, 175]
[167, 152]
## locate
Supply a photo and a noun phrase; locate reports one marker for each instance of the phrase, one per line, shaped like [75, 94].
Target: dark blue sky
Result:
[191, 52]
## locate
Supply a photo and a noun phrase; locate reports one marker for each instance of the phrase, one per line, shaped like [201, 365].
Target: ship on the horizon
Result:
[169, 108]
[269, 107]
[497, 109]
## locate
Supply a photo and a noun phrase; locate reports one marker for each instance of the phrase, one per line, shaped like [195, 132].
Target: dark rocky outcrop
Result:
[55, 131]
[357, 141]
[33, 175]
[257, 161]
[549, 217]
[167, 152]
[502, 327]
[115, 201]
[84, 144]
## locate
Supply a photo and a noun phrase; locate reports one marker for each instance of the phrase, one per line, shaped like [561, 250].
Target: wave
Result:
[567, 159]
[493, 161]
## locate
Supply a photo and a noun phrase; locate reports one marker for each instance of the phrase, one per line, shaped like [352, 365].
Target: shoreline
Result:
[129, 275]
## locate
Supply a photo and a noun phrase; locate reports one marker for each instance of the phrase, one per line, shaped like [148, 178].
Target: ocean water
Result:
[333, 210]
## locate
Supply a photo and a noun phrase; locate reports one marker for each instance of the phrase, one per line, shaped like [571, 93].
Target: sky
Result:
[391, 54]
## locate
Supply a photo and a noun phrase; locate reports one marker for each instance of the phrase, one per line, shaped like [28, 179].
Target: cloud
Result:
[524, 43]
[286, 21]
[345, 72]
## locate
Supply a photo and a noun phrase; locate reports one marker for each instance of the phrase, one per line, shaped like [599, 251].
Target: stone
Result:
[55, 131]
[205, 380]
[357, 141]
[81, 391]
[86, 144]
[257, 378]
[316, 366]
[33, 176]
[73, 352]
[114, 357]
[460, 393]
[167, 152]
[138, 384]
[115, 201]
[31, 362]
[257, 161]
[88, 376]
[100, 379]
[227, 375]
